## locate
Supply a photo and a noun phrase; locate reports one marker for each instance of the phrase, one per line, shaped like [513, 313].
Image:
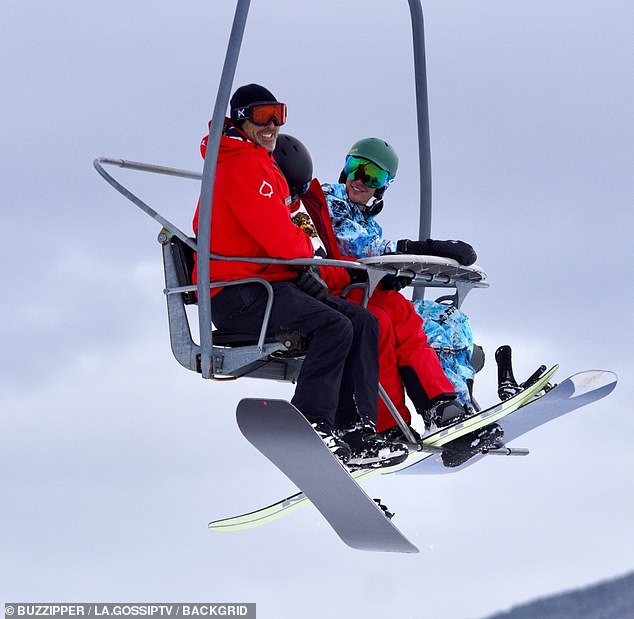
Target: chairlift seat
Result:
[235, 354]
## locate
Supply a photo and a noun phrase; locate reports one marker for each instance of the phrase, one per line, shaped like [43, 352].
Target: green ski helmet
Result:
[383, 155]
[378, 151]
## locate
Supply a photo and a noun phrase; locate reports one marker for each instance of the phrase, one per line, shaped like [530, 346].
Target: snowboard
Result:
[576, 391]
[431, 447]
[282, 434]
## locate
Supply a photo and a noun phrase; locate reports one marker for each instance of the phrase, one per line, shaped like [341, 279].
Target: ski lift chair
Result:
[237, 354]
[279, 357]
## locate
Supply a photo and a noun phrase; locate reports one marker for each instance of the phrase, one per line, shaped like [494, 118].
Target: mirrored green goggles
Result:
[370, 174]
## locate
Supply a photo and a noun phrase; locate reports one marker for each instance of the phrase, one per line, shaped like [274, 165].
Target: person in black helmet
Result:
[295, 162]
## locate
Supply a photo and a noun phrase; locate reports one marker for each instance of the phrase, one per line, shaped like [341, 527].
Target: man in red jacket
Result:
[251, 217]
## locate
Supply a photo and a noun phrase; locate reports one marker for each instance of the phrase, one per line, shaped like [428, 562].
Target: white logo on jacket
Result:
[266, 189]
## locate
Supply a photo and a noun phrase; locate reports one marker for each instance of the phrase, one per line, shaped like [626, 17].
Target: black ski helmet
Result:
[295, 162]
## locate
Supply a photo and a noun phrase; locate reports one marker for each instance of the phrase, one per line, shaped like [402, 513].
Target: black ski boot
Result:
[443, 412]
[507, 385]
[338, 447]
[396, 434]
[369, 449]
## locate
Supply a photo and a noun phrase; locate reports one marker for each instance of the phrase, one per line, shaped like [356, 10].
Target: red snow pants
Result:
[403, 344]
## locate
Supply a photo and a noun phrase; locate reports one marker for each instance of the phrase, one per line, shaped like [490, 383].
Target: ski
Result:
[576, 391]
[431, 443]
[282, 434]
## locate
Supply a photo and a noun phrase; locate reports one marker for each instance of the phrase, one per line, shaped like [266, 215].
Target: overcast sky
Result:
[114, 458]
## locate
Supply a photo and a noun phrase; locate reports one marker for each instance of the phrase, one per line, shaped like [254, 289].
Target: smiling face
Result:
[358, 192]
[265, 136]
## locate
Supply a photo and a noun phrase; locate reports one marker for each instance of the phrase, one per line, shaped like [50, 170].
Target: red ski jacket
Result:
[251, 215]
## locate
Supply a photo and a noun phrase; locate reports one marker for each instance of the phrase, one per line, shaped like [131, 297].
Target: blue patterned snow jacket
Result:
[358, 236]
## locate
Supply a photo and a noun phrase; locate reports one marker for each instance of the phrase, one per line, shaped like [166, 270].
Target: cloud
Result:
[115, 458]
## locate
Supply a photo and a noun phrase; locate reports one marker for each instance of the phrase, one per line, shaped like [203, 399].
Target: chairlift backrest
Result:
[183, 256]
[235, 354]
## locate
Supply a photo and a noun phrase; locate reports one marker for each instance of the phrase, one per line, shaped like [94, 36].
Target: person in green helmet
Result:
[406, 360]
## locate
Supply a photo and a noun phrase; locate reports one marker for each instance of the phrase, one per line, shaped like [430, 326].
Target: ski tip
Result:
[592, 380]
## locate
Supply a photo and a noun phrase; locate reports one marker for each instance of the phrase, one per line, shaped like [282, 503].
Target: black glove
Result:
[457, 250]
[310, 282]
[357, 276]
[396, 282]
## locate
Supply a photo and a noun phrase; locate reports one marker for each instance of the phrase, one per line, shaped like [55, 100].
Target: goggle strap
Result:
[240, 114]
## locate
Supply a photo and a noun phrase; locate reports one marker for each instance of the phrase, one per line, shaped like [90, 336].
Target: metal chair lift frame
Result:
[268, 359]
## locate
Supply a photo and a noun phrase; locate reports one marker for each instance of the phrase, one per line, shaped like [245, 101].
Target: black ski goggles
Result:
[261, 114]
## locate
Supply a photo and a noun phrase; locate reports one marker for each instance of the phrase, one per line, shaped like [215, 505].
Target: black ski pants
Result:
[339, 374]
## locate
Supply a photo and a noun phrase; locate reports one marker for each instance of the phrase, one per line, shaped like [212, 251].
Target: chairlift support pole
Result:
[422, 116]
[207, 186]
